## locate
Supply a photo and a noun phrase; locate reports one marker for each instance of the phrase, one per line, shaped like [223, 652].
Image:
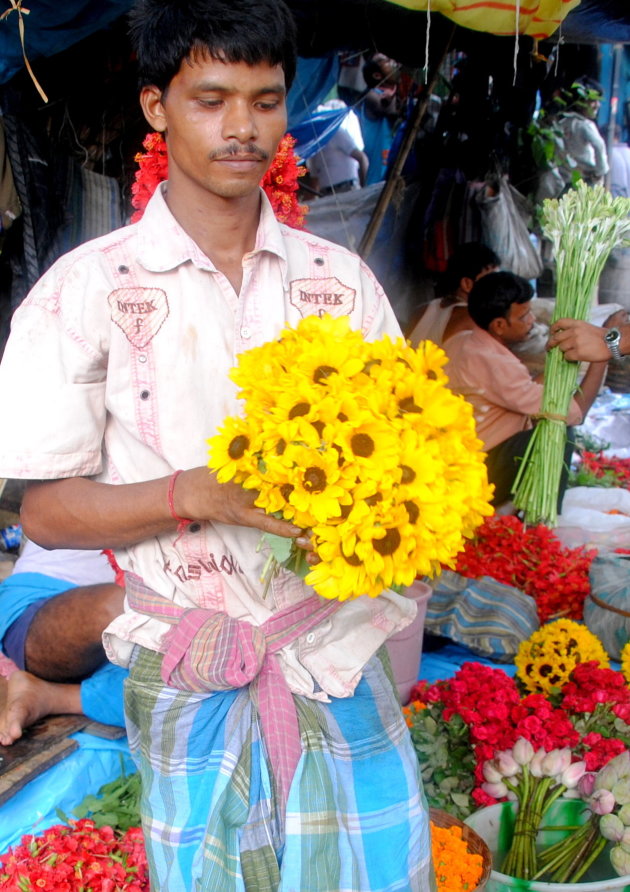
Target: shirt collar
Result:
[158, 254]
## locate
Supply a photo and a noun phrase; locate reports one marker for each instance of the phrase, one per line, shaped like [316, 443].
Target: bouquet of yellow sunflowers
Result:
[361, 443]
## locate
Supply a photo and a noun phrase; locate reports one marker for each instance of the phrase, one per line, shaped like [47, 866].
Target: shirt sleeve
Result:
[52, 379]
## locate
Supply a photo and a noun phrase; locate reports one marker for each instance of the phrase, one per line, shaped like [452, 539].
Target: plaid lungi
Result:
[356, 818]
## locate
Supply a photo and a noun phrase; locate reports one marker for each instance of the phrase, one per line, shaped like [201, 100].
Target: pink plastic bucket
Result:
[405, 648]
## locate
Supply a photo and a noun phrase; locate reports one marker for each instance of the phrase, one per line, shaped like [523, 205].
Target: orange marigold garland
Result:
[456, 868]
[280, 182]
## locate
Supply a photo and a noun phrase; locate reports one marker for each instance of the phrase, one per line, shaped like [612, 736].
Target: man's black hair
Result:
[165, 32]
[467, 261]
[493, 295]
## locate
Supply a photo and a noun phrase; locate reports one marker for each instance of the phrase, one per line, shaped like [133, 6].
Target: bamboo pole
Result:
[385, 197]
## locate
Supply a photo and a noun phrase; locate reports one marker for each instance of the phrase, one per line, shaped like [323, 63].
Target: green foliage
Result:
[446, 759]
[116, 805]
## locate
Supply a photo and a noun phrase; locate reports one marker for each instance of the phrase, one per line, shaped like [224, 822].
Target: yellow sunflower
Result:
[545, 661]
[233, 451]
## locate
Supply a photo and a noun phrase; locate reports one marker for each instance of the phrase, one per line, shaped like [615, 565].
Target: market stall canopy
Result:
[395, 27]
[537, 19]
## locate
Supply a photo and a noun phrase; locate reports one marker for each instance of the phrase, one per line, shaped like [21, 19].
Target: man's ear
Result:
[151, 104]
[466, 284]
[498, 326]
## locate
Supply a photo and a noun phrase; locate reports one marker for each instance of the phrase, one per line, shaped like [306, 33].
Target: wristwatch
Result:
[613, 339]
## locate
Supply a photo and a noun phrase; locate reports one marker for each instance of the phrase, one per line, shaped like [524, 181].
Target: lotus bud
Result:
[512, 796]
[551, 764]
[621, 791]
[620, 861]
[491, 773]
[523, 751]
[506, 764]
[497, 790]
[586, 784]
[602, 802]
[611, 827]
[566, 756]
[625, 839]
[608, 776]
[571, 776]
[535, 766]
[624, 814]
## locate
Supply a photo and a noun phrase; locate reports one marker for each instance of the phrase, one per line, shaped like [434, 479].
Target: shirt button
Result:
[246, 332]
[142, 358]
[310, 637]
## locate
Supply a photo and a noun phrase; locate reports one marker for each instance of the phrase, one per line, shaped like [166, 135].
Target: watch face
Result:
[613, 336]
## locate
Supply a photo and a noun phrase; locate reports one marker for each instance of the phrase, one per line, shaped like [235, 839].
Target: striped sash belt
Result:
[207, 650]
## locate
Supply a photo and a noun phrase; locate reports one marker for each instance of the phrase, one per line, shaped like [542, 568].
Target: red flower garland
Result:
[532, 559]
[280, 182]
[76, 858]
[615, 471]
[490, 703]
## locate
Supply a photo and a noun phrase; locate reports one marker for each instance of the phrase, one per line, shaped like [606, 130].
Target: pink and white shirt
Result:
[117, 369]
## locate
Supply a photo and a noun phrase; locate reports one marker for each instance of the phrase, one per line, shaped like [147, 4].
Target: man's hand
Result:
[620, 317]
[579, 341]
[199, 496]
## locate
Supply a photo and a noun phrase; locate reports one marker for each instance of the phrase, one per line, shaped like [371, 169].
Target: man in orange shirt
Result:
[505, 399]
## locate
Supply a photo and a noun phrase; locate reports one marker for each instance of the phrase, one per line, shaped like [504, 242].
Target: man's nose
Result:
[239, 122]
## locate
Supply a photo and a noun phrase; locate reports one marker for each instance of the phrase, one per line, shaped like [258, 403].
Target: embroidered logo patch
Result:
[314, 297]
[139, 313]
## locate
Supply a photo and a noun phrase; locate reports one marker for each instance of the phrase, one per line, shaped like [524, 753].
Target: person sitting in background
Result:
[53, 610]
[441, 318]
[378, 112]
[505, 399]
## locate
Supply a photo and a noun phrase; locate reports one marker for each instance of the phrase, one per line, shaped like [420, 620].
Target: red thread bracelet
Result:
[181, 521]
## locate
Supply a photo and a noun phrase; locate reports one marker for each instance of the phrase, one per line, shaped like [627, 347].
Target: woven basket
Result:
[475, 843]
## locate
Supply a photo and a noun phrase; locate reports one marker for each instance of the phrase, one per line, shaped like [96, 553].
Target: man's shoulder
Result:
[300, 238]
[97, 248]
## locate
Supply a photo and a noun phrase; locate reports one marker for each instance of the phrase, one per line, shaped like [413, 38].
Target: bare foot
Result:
[29, 698]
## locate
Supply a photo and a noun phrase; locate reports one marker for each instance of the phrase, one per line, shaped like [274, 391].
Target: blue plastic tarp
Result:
[34, 808]
[53, 26]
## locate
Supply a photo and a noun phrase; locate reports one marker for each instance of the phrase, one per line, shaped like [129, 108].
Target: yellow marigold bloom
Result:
[545, 661]
[625, 661]
[363, 443]
[233, 450]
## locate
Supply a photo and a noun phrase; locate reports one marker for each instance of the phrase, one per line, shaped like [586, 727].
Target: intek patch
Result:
[139, 313]
[314, 297]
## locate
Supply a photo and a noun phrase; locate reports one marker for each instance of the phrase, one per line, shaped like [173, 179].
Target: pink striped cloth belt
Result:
[207, 650]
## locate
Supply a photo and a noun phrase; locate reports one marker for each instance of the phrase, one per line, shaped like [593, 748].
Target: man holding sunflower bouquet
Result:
[257, 772]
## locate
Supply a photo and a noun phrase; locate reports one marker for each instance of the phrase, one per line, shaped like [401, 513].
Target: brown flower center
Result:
[408, 475]
[322, 372]
[285, 491]
[281, 445]
[374, 500]
[342, 416]
[314, 480]
[412, 510]
[352, 559]
[389, 543]
[431, 375]
[407, 405]
[319, 427]
[237, 446]
[362, 444]
[299, 409]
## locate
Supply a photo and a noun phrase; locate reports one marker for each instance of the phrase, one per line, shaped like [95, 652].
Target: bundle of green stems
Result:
[583, 226]
[568, 860]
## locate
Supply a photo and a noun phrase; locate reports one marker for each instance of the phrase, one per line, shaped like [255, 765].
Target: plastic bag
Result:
[504, 212]
[607, 607]
[586, 517]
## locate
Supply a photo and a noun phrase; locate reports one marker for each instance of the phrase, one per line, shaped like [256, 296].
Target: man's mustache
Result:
[237, 151]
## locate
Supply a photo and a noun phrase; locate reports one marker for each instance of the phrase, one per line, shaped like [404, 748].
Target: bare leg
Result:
[29, 699]
[64, 640]
[63, 646]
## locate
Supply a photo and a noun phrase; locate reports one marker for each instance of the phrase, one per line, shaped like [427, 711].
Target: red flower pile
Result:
[589, 715]
[280, 182]
[77, 858]
[533, 560]
[614, 471]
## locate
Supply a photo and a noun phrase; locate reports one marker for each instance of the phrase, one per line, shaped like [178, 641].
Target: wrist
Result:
[182, 522]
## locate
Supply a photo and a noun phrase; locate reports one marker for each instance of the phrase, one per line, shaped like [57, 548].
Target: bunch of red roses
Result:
[280, 182]
[611, 471]
[77, 858]
[588, 715]
[532, 559]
